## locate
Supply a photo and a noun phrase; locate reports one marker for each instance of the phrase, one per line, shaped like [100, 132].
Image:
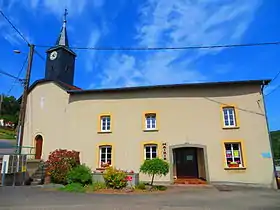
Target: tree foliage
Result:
[155, 167]
[10, 109]
[275, 137]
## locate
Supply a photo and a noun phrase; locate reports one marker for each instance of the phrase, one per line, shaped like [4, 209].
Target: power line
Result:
[39, 55]
[19, 33]
[14, 27]
[272, 91]
[10, 75]
[168, 48]
[274, 78]
[19, 73]
[238, 108]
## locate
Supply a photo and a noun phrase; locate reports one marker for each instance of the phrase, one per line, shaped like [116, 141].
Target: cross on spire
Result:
[65, 15]
[63, 38]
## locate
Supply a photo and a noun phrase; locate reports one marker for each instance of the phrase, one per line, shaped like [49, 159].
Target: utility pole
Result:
[24, 99]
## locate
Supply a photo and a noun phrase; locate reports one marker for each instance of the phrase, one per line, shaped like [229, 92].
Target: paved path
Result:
[23, 198]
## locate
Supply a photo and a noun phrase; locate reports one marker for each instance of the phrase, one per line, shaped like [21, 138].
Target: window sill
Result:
[103, 132]
[151, 130]
[235, 168]
[230, 128]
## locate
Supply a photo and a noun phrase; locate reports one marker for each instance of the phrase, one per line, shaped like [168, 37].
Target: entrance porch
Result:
[189, 164]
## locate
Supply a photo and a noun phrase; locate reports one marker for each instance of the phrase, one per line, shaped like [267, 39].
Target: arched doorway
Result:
[38, 146]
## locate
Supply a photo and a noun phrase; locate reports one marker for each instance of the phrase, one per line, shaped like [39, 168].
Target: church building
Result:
[215, 132]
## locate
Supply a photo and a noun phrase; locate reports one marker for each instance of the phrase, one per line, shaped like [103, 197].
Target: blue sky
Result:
[149, 23]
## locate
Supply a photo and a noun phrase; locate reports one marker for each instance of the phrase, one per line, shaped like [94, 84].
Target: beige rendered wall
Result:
[185, 115]
[46, 112]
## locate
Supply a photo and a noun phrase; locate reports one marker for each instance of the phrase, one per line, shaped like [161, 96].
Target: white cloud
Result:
[41, 7]
[9, 34]
[94, 37]
[57, 6]
[128, 74]
[180, 23]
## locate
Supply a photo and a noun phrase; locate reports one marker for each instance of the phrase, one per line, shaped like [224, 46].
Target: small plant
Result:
[141, 186]
[96, 186]
[155, 167]
[59, 163]
[73, 187]
[115, 178]
[160, 187]
[129, 180]
[80, 174]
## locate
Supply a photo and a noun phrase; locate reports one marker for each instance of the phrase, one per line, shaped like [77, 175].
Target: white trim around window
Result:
[150, 151]
[151, 121]
[229, 117]
[105, 155]
[233, 154]
[105, 123]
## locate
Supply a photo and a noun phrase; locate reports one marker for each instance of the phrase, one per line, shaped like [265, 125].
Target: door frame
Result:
[184, 151]
[197, 146]
[35, 144]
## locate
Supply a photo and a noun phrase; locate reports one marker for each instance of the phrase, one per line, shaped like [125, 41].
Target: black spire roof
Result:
[62, 40]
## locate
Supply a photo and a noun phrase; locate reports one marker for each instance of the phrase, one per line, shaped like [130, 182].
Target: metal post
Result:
[4, 173]
[24, 97]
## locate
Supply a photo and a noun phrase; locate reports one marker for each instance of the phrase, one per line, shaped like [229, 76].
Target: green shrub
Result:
[73, 187]
[59, 163]
[141, 186]
[154, 167]
[160, 187]
[96, 186]
[80, 174]
[115, 178]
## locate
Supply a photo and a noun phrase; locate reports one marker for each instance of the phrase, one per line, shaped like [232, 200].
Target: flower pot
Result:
[234, 165]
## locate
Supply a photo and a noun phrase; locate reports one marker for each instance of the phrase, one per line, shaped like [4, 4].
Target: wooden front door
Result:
[186, 162]
[38, 147]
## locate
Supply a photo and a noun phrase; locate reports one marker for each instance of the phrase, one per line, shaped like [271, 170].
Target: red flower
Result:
[129, 178]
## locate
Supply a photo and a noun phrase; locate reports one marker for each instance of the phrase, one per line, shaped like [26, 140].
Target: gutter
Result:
[269, 135]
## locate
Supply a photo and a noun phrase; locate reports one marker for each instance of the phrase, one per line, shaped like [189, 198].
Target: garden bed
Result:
[126, 191]
[101, 188]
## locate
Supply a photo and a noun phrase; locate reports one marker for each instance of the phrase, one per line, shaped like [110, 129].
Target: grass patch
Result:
[7, 134]
[95, 186]
[100, 187]
[140, 186]
[160, 187]
[73, 187]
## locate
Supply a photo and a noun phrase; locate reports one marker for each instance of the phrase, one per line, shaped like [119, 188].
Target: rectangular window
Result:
[150, 122]
[105, 153]
[105, 123]
[150, 151]
[229, 117]
[233, 153]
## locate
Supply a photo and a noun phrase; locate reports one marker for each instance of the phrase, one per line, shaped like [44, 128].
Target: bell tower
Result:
[60, 65]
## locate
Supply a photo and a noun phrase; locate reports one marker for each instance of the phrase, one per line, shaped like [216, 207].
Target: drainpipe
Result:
[269, 135]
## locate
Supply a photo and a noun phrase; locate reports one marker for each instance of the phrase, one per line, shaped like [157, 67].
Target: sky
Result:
[148, 23]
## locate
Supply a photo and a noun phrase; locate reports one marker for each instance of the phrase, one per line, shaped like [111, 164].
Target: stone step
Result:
[191, 181]
[36, 181]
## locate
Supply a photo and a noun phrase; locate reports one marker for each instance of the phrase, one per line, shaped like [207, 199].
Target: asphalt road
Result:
[5, 147]
[184, 199]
